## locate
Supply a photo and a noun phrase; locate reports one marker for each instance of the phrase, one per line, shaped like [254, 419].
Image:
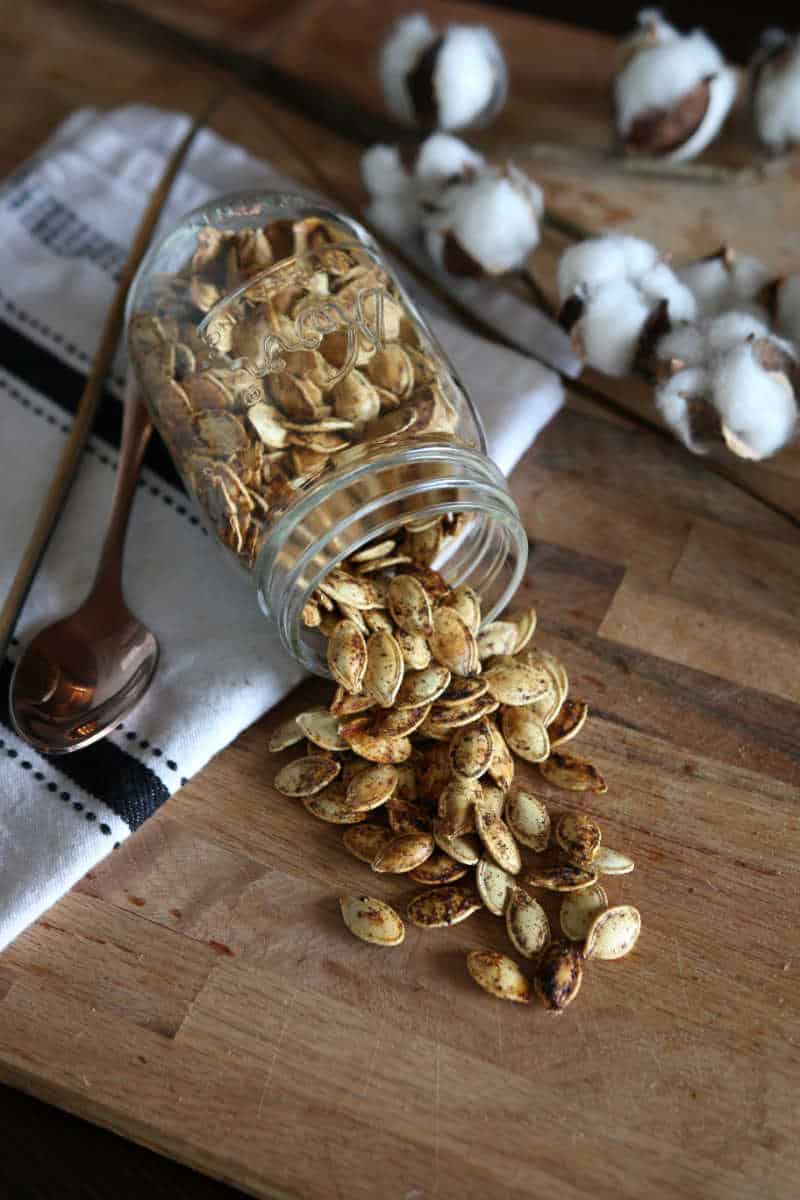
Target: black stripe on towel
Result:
[128, 787]
[42, 370]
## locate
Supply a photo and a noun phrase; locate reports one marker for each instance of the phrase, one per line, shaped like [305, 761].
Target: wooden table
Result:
[197, 992]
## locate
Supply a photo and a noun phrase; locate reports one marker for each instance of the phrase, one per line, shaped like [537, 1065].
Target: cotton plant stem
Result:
[53, 503]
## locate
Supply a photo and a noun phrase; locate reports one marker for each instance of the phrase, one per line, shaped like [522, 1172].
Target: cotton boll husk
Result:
[383, 172]
[410, 37]
[595, 261]
[722, 93]
[672, 401]
[470, 78]
[776, 93]
[661, 283]
[442, 156]
[493, 220]
[758, 407]
[787, 316]
[607, 335]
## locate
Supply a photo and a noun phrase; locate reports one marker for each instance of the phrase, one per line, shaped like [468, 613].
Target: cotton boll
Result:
[595, 261]
[661, 283]
[487, 225]
[442, 157]
[678, 399]
[726, 280]
[651, 30]
[775, 92]
[787, 316]
[757, 406]
[406, 44]
[383, 172]
[442, 81]
[672, 95]
[607, 335]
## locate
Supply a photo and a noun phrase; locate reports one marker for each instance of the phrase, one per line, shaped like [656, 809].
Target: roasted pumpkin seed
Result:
[331, 805]
[306, 776]
[579, 909]
[516, 684]
[528, 819]
[466, 603]
[559, 976]
[527, 924]
[572, 773]
[364, 841]
[410, 605]
[452, 644]
[525, 734]
[497, 838]
[463, 847]
[568, 721]
[345, 704]
[501, 764]
[471, 750]
[403, 853]
[613, 933]
[563, 878]
[415, 650]
[385, 667]
[358, 735]
[443, 906]
[372, 921]
[321, 728]
[347, 655]
[399, 722]
[612, 862]
[422, 687]
[499, 637]
[498, 975]
[372, 786]
[439, 869]
[579, 837]
[494, 885]
[456, 805]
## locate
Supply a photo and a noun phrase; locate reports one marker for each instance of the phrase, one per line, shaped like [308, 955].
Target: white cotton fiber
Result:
[468, 79]
[776, 99]
[383, 172]
[607, 335]
[409, 39]
[397, 218]
[591, 263]
[469, 76]
[725, 281]
[493, 218]
[442, 156]
[757, 407]
[660, 282]
[787, 317]
[726, 331]
[686, 342]
[672, 401]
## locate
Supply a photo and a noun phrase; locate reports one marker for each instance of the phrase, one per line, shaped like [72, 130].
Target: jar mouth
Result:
[423, 479]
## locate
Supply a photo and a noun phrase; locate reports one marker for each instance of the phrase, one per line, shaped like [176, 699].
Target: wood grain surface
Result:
[198, 993]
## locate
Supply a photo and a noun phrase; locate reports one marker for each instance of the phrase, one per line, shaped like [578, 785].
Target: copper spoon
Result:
[81, 675]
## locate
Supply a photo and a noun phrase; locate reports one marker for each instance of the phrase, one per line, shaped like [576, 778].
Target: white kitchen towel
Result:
[67, 219]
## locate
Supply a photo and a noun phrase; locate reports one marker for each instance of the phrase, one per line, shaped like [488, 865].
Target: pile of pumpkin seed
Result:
[415, 754]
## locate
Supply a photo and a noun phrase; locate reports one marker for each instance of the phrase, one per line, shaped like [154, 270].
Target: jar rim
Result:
[472, 483]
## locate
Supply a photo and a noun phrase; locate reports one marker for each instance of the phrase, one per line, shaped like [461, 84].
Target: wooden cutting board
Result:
[198, 993]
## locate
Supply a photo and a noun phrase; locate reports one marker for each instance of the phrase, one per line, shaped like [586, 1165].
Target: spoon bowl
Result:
[79, 676]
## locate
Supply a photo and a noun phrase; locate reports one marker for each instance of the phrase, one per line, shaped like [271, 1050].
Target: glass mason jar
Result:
[312, 415]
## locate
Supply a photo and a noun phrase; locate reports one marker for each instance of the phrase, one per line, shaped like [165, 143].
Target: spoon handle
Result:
[136, 430]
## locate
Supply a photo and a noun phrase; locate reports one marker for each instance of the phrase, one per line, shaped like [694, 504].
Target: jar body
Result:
[310, 411]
